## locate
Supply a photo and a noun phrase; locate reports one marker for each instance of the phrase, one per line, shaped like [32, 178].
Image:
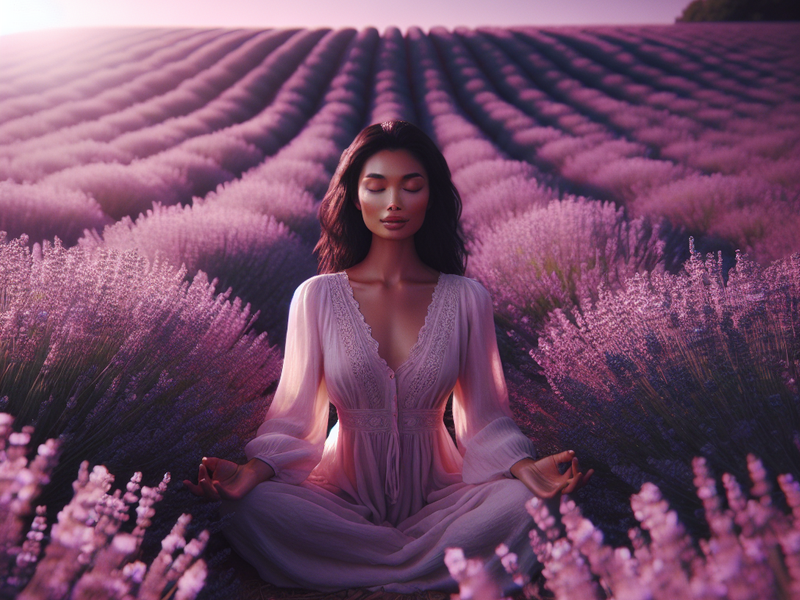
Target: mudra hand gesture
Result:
[222, 479]
[544, 477]
[219, 479]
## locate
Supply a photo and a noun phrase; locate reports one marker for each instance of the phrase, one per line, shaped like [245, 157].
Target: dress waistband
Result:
[409, 420]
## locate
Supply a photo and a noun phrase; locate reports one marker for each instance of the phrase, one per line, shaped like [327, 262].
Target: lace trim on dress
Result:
[427, 374]
[421, 419]
[420, 336]
[409, 421]
[365, 419]
[358, 358]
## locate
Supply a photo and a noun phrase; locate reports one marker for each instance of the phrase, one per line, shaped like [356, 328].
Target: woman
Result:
[386, 333]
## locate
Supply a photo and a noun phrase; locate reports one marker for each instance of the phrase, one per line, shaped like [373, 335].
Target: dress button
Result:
[391, 375]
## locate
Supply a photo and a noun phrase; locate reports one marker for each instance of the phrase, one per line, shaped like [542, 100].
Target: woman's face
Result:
[393, 194]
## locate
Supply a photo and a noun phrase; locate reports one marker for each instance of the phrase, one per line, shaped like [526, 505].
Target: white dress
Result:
[377, 502]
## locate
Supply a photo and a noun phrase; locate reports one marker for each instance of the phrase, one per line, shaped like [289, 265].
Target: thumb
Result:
[210, 463]
[564, 457]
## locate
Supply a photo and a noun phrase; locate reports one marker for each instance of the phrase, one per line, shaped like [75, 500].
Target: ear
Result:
[357, 204]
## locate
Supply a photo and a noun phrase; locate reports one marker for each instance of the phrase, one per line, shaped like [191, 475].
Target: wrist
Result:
[517, 467]
[261, 470]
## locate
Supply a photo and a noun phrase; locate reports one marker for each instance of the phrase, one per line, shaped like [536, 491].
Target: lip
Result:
[394, 220]
[394, 223]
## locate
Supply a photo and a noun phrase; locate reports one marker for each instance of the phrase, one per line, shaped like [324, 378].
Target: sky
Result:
[32, 15]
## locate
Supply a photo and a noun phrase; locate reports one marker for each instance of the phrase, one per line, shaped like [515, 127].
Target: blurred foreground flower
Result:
[752, 553]
[88, 556]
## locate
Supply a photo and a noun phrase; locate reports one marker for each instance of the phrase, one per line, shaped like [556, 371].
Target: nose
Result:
[394, 200]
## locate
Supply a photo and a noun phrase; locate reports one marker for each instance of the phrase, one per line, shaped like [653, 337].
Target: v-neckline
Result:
[368, 329]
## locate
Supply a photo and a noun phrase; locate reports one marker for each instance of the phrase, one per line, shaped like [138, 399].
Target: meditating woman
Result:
[385, 333]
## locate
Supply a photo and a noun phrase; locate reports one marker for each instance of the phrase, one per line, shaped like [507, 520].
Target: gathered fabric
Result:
[375, 502]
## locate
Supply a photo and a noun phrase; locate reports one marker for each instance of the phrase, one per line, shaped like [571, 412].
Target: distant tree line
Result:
[741, 10]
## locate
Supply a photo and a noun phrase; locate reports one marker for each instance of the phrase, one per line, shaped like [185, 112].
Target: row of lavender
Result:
[637, 116]
[261, 173]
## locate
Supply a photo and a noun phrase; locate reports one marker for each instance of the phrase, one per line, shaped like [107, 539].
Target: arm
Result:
[489, 440]
[289, 443]
[487, 436]
[291, 438]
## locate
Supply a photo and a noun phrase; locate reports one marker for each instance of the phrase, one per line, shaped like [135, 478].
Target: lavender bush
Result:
[130, 363]
[44, 212]
[254, 255]
[86, 84]
[674, 366]
[559, 256]
[756, 216]
[95, 62]
[285, 191]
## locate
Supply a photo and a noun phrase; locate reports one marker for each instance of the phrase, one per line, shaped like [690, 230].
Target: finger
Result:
[210, 463]
[195, 488]
[559, 489]
[579, 481]
[207, 485]
[587, 477]
[573, 484]
[576, 469]
[219, 491]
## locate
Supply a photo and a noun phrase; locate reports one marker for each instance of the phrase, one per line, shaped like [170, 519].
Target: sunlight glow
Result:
[17, 16]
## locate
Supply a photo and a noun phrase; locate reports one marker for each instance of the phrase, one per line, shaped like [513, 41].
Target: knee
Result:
[516, 494]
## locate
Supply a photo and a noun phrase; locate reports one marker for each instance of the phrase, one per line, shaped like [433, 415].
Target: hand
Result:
[222, 479]
[544, 478]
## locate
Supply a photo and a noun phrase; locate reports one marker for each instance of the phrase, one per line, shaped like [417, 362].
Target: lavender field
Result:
[631, 201]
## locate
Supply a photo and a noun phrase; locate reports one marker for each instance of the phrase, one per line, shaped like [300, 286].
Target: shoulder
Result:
[472, 296]
[314, 289]
[470, 288]
[318, 281]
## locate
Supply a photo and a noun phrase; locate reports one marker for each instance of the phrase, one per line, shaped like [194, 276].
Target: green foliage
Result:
[741, 10]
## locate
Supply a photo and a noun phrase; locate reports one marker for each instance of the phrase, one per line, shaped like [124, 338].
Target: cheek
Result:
[358, 201]
[425, 203]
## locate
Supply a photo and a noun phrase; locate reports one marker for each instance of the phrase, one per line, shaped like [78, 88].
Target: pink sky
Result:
[27, 15]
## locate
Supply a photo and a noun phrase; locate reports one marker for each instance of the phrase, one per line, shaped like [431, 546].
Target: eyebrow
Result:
[379, 176]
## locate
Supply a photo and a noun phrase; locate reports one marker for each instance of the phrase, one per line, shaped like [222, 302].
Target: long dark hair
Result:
[345, 240]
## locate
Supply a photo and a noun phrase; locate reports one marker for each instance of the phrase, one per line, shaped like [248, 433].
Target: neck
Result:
[392, 261]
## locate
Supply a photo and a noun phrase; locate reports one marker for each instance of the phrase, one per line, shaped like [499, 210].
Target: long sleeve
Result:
[488, 439]
[292, 437]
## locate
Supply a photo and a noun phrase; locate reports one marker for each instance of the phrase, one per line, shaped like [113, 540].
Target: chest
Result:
[395, 317]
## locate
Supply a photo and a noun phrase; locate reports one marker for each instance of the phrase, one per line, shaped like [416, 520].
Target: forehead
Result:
[393, 163]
